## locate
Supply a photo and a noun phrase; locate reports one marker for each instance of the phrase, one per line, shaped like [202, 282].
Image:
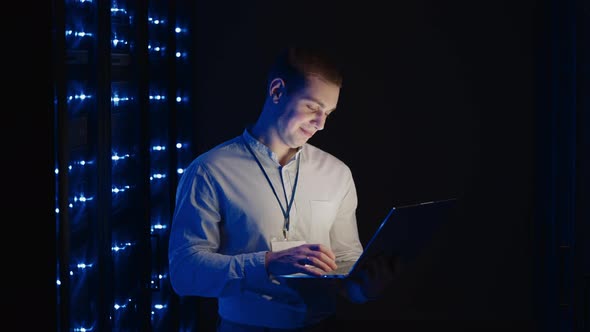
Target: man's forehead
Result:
[324, 93]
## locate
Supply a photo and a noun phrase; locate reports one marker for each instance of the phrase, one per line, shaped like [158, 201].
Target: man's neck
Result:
[271, 139]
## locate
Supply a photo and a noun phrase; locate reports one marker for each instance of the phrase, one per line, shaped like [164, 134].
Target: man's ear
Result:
[276, 89]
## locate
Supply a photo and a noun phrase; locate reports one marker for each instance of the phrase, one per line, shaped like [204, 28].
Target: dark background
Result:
[437, 102]
[486, 101]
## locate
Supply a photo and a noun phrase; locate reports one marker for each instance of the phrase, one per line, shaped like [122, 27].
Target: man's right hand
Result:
[312, 259]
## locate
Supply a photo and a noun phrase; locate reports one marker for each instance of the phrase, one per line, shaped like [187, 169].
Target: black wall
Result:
[437, 102]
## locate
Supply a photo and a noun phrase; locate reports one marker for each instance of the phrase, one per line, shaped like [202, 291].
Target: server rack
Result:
[122, 136]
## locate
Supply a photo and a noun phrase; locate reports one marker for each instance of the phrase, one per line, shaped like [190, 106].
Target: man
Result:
[268, 203]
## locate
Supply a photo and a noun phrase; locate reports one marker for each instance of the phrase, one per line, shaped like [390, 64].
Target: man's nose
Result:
[320, 121]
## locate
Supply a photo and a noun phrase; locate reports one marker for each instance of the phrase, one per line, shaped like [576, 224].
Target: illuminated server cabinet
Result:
[122, 73]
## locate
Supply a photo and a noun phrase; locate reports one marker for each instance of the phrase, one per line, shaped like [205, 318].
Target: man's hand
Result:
[312, 259]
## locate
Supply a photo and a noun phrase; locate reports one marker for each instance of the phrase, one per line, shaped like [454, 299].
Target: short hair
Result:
[295, 63]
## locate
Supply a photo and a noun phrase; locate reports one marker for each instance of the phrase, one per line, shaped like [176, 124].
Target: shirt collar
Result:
[265, 150]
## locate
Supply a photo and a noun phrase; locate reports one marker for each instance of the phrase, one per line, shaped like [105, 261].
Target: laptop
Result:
[405, 232]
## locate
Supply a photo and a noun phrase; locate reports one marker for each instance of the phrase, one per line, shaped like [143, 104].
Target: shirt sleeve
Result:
[344, 236]
[195, 266]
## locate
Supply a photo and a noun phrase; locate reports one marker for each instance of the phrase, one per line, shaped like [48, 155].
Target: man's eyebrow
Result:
[322, 105]
[316, 101]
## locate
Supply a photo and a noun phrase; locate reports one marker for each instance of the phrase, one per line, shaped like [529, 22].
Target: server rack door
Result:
[122, 137]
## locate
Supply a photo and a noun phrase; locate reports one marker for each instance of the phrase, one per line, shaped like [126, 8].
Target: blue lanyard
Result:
[290, 203]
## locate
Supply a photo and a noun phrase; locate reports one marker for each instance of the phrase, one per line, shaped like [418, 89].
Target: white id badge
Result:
[278, 245]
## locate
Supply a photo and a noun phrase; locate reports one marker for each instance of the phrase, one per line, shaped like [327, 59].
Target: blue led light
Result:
[116, 42]
[158, 148]
[184, 99]
[116, 157]
[118, 10]
[81, 199]
[117, 190]
[157, 176]
[157, 97]
[123, 305]
[180, 170]
[83, 329]
[81, 34]
[116, 100]
[121, 247]
[157, 227]
[181, 54]
[156, 48]
[156, 21]
[81, 163]
[81, 267]
[80, 97]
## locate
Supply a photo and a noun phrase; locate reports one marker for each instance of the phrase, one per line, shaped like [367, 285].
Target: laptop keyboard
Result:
[343, 267]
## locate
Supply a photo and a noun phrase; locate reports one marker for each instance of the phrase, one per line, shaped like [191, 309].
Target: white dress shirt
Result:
[226, 216]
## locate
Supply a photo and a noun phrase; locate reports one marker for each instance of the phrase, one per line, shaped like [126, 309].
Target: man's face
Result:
[306, 110]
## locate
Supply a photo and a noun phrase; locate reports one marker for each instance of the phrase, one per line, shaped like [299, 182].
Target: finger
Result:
[312, 270]
[321, 264]
[307, 260]
[324, 259]
[304, 261]
[323, 249]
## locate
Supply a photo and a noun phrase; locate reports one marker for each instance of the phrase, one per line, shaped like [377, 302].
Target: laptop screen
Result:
[404, 232]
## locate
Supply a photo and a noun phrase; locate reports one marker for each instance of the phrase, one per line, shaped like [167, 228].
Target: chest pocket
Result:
[323, 214]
